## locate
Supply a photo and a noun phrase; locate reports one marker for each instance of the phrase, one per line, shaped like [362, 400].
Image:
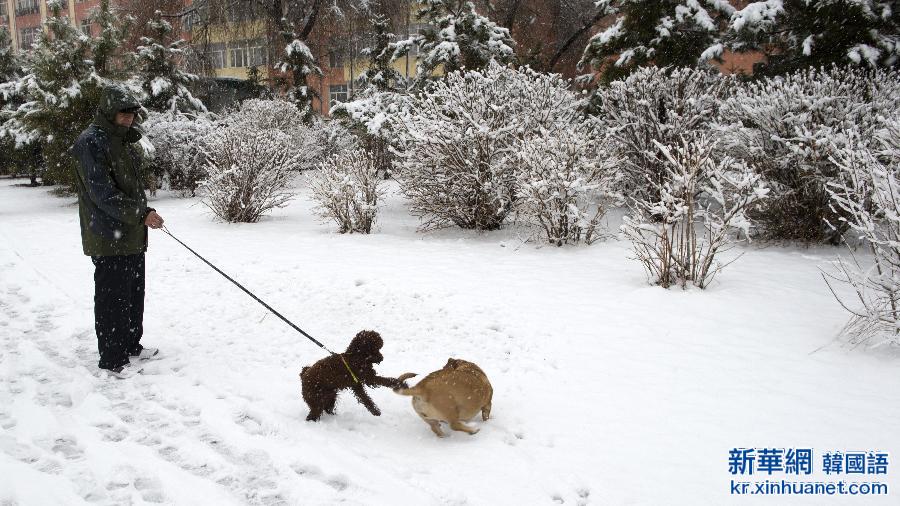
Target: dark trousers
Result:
[118, 307]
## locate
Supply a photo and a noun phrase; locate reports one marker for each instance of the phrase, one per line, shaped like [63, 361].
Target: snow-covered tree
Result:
[677, 33]
[9, 72]
[346, 189]
[796, 34]
[10, 66]
[299, 62]
[701, 210]
[380, 75]
[365, 115]
[160, 77]
[869, 196]
[566, 181]
[455, 37]
[656, 104]
[60, 93]
[113, 29]
[788, 127]
[248, 173]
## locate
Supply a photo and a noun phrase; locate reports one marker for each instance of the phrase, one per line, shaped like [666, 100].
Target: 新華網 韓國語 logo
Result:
[791, 471]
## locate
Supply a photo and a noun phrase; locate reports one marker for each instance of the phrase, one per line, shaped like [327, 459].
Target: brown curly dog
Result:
[323, 380]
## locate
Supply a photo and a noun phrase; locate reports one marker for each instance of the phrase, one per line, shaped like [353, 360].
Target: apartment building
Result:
[243, 40]
[25, 18]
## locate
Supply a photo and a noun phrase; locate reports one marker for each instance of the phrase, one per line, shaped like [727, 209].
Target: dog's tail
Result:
[406, 391]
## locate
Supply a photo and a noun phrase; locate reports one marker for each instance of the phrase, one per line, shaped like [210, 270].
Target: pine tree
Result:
[299, 62]
[9, 73]
[10, 68]
[795, 34]
[379, 85]
[61, 92]
[676, 33]
[9, 63]
[112, 33]
[380, 75]
[163, 82]
[456, 37]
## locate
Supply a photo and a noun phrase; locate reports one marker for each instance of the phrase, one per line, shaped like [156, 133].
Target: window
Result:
[235, 12]
[25, 7]
[336, 59]
[258, 53]
[239, 56]
[86, 27]
[28, 36]
[217, 56]
[337, 93]
[189, 20]
[415, 29]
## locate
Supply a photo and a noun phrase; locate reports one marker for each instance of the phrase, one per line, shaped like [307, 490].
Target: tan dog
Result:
[453, 394]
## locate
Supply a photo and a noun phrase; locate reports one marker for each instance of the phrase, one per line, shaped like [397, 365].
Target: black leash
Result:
[257, 299]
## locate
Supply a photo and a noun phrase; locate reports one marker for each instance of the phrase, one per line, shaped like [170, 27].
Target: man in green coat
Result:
[114, 218]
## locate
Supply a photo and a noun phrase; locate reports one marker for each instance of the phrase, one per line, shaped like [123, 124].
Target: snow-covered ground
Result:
[607, 391]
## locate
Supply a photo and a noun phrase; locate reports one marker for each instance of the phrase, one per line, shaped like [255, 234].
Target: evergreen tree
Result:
[112, 33]
[456, 37]
[380, 75]
[9, 73]
[299, 62]
[61, 91]
[159, 76]
[378, 94]
[795, 34]
[10, 68]
[664, 33]
[9, 63]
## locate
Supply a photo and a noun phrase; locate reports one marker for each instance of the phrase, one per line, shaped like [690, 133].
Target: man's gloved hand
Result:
[154, 220]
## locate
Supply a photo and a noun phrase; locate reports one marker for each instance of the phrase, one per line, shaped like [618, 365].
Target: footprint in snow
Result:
[338, 482]
[68, 448]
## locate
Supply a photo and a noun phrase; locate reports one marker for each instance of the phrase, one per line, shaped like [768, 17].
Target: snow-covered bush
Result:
[313, 140]
[456, 142]
[565, 182]
[178, 141]
[789, 127]
[248, 173]
[346, 188]
[701, 210]
[656, 104]
[869, 198]
[368, 117]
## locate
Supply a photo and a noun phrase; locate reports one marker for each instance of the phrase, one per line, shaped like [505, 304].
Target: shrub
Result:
[346, 187]
[249, 173]
[701, 210]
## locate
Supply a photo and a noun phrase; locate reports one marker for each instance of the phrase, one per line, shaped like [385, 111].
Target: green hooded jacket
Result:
[111, 201]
